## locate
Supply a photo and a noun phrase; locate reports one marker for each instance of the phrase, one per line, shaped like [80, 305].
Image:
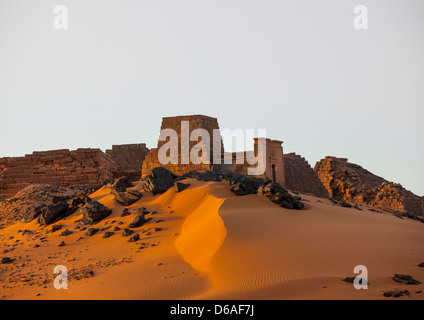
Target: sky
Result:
[298, 69]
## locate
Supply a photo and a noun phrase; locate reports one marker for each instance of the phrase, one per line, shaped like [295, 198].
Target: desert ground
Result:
[206, 242]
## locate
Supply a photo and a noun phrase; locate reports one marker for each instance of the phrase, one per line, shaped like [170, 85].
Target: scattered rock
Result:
[276, 193]
[66, 233]
[127, 232]
[94, 211]
[159, 181]
[121, 184]
[179, 186]
[62, 244]
[333, 200]
[6, 260]
[91, 231]
[362, 281]
[405, 279]
[116, 228]
[125, 212]
[79, 199]
[138, 221]
[421, 265]
[396, 293]
[143, 210]
[32, 213]
[108, 234]
[134, 238]
[356, 206]
[126, 198]
[56, 227]
[345, 204]
[53, 213]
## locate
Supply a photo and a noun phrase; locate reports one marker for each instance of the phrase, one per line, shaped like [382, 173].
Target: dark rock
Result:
[374, 210]
[357, 207]
[79, 199]
[58, 198]
[135, 193]
[405, 279]
[53, 213]
[127, 232]
[116, 229]
[396, 293]
[91, 231]
[333, 200]
[362, 281]
[421, 265]
[134, 238]
[32, 213]
[125, 212]
[5, 260]
[108, 234]
[277, 194]
[242, 185]
[179, 186]
[345, 204]
[126, 198]
[94, 211]
[138, 221]
[203, 176]
[122, 184]
[143, 210]
[62, 244]
[159, 181]
[66, 233]
[56, 227]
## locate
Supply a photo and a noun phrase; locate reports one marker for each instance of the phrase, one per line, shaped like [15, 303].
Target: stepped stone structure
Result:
[82, 167]
[352, 183]
[301, 177]
[129, 159]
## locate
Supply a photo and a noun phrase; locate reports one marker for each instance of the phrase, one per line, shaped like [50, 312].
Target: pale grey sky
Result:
[296, 68]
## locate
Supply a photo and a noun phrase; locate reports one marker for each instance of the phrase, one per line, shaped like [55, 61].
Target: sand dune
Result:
[207, 243]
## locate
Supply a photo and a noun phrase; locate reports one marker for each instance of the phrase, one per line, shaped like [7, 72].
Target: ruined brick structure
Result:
[194, 122]
[274, 152]
[129, 159]
[82, 167]
[301, 177]
[274, 161]
[352, 183]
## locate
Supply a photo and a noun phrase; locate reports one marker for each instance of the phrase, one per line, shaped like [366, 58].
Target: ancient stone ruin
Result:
[352, 183]
[301, 177]
[195, 122]
[274, 161]
[82, 167]
[129, 159]
[334, 177]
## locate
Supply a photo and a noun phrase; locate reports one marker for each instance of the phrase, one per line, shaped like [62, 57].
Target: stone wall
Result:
[301, 177]
[274, 160]
[82, 167]
[194, 122]
[352, 183]
[129, 159]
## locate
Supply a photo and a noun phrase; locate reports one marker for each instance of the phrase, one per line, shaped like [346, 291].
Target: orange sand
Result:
[216, 245]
